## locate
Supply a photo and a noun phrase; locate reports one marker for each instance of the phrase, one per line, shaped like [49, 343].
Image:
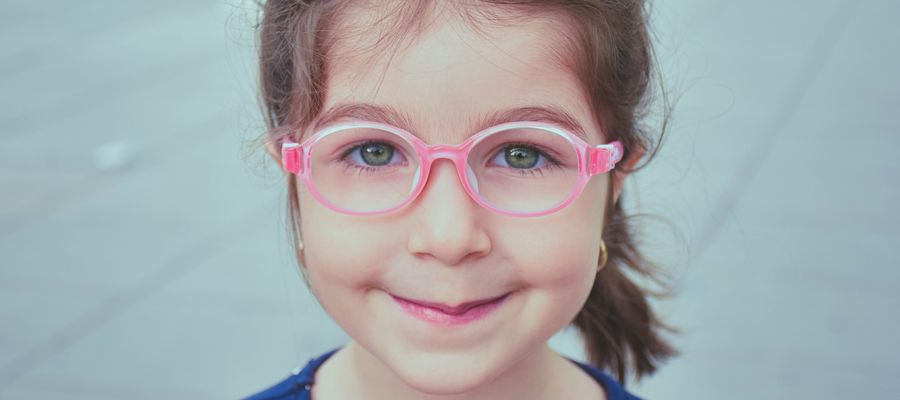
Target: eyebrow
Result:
[391, 116]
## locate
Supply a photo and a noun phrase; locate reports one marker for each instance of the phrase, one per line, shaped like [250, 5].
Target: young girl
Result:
[454, 172]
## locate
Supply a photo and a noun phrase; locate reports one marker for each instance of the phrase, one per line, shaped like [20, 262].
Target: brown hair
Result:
[614, 61]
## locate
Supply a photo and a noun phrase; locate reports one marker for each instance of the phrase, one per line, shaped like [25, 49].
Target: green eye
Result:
[376, 153]
[521, 157]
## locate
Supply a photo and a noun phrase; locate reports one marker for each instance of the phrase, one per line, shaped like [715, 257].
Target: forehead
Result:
[448, 71]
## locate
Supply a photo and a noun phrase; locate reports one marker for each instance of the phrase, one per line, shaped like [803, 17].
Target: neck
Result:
[363, 376]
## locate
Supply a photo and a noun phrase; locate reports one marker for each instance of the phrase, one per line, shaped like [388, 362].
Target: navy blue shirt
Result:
[298, 385]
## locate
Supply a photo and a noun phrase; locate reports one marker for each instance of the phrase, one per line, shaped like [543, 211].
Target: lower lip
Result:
[438, 317]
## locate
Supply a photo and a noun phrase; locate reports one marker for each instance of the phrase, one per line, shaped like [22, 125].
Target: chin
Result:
[443, 373]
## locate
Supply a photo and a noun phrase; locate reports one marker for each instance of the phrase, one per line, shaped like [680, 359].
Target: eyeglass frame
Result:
[592, 160]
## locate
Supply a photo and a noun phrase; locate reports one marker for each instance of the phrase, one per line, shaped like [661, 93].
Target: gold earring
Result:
[603, 255]
[300, 245]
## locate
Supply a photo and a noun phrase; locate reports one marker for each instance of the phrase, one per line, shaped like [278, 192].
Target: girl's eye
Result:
[523, 158]
[376, 154]
[371, 155]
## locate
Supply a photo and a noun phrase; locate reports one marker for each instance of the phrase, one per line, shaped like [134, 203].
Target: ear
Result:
[620, 173]
[273, 149]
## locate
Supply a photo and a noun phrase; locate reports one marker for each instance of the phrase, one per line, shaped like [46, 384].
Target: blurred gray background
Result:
[143, 251]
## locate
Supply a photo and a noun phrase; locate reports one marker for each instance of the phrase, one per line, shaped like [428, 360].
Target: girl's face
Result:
[444, 248]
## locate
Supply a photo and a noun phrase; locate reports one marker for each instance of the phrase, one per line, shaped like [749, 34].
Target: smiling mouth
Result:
[442, 314]
[452, 310]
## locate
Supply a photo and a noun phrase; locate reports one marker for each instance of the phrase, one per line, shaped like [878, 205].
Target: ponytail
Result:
[617, 323]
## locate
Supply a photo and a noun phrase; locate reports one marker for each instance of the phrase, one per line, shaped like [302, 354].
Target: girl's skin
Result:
[444, 247]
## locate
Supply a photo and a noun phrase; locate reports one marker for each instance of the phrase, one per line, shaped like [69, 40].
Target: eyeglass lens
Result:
[369, 169]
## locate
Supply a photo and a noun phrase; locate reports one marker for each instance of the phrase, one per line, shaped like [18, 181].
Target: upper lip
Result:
[458, 309]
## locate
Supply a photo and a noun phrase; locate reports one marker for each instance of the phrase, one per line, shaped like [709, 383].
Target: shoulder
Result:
[297, 385]
[614, 390]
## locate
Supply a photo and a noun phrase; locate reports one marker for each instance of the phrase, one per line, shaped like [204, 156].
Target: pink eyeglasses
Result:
[522, 169]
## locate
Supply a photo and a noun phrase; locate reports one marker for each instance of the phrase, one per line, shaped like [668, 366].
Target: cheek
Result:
[340, 263]
[563, 249]
[557, 258]
[338, 256]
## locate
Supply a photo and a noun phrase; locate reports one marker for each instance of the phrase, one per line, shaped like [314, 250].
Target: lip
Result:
[459, 309]
[443, 314]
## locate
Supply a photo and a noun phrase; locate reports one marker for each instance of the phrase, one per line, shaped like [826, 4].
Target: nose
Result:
[448, 224]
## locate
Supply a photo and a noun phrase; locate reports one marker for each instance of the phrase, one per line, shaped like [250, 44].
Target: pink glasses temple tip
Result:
[292, 156]
[603, 158]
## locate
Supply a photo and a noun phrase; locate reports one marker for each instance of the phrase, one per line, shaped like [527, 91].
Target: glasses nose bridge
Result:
[456, 154]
